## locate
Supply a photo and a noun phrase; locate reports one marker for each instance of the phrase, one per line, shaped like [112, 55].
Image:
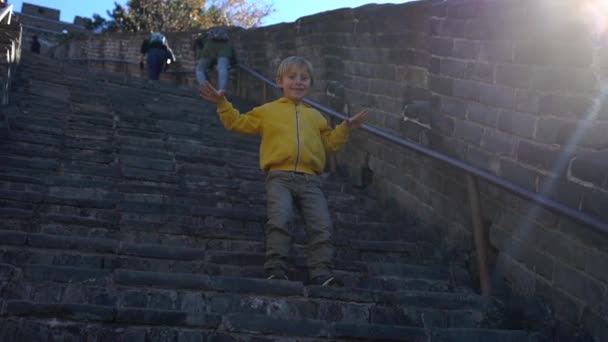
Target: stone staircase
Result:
[127, 213]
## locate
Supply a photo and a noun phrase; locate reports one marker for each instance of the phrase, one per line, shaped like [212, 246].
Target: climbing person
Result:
[214, 48]
[157, 54]
[295, 140]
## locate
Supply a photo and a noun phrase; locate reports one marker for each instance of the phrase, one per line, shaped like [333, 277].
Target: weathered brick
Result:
[522, 280]
[481, 159]
[548, 129]
[443, 47]
[590, 167]
[567, 307]
[480, 71]
[595, 202]
[567, 193]
[593, 134]
[468, 131]
[579, 285]
[563, 80]
[541, 156]
[453, 28]
[435, 65]
[517, 123]
[496, 95]
[514, 75]
[563, 248]
[553, 53]
[518, 174]
[453, 107]
[527, 101]
[497, 142]
[535, 260]
[500, 51]
[595, 324]
[441, 85]
[469, 90]
[483, 114]
[442, 123]
[466, 49]
[463, 10]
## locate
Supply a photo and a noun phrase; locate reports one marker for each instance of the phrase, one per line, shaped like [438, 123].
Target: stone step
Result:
[218, 294]
[190, 260]
[23, 248]
[60, 210]
[242, 284]
[144, 322]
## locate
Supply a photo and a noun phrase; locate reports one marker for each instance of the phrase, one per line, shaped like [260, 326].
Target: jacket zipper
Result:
[295, 167]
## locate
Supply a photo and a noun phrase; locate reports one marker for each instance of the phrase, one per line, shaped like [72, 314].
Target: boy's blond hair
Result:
[294, 61]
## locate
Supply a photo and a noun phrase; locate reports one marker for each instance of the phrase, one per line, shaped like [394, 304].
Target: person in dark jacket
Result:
[35, 46]
[158, 53]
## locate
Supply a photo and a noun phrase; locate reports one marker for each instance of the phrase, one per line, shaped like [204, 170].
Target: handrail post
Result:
[264, 91]
[238, 82]
[333, 168]
[479, 236]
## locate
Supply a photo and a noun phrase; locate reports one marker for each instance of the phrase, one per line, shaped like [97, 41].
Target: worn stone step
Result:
[27, 248]
[97, 245]
[225, 250]
[317, 328]
[108, 194]
[32, 329]
[234, 328]
[107, 314]
[222, 295]
[210, 301]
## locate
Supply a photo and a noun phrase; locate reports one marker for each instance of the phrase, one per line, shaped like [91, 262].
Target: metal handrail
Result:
[481, 174]
[7, 12]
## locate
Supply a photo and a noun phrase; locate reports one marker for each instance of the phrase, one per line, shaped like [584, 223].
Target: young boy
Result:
[295, 138]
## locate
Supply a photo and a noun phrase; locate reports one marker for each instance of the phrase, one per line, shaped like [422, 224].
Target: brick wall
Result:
[515, 87]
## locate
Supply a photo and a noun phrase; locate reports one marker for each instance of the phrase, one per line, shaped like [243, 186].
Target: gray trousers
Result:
[284, 191]
[204, 64]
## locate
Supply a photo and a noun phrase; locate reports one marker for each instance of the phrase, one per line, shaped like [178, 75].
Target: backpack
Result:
[218, 33]
[157, 37]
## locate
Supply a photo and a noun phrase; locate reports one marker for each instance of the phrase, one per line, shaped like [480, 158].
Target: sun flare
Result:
[596, 14]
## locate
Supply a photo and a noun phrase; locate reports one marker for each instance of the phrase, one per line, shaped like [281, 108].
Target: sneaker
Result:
[277, 276]
[327, 281]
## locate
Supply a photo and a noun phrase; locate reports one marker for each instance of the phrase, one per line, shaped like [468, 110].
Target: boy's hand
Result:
[358, 119]
[209, 93]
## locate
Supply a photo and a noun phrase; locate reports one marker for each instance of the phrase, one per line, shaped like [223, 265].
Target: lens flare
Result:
[596, 14]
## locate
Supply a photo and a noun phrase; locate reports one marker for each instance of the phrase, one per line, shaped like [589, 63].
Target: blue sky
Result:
[285, 10]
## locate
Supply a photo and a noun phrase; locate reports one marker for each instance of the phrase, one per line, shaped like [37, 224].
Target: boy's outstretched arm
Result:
[357, 120]
[334, 139]
[209, 93]
[232, 119]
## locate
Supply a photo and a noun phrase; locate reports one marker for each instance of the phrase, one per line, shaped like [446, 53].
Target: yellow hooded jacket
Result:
[295, 137]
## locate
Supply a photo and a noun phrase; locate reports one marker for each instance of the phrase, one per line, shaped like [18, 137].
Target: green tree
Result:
[182, 15]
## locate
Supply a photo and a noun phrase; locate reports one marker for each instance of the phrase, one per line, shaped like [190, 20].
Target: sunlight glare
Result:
[597, 13]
